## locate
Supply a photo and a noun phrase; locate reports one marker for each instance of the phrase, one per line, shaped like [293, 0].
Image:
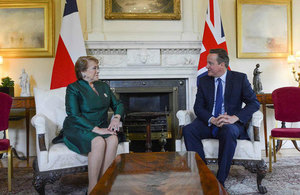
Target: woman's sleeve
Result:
[75, 117]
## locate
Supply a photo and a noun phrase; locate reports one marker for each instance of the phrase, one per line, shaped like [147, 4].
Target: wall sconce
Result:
[1, 60]
[293, 59]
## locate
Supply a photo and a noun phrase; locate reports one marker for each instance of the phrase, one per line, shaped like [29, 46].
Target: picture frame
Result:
[143, 9]
[27, 28]
[264, 28]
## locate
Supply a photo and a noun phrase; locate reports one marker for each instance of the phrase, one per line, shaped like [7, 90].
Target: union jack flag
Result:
[213, 36]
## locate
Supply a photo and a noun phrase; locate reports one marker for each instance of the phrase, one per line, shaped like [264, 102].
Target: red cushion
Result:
[4, 144]
[286, 132]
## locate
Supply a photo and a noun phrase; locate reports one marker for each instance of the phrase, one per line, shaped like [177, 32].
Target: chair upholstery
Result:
[287, 109]
[5, 105]
[55, 160]
[247, 153]
[4, 144]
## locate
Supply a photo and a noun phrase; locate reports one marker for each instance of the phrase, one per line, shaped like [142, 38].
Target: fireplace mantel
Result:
[145, 59]
[148, 60]
[142, 44]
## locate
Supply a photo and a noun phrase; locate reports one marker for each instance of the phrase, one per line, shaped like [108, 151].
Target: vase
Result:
[7, 90]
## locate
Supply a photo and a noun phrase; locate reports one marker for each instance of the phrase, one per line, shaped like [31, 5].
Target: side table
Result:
[26, 103]
[265, 99]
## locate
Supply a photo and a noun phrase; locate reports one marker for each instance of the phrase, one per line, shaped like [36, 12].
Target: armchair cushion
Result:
[47, 101]
[245, 150]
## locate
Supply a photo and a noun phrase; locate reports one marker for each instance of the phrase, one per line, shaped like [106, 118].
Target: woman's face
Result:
[92, 72]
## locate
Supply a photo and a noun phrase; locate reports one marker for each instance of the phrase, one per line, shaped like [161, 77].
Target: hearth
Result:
[165, 96]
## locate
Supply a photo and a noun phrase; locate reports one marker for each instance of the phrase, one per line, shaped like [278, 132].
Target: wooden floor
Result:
[23, 163]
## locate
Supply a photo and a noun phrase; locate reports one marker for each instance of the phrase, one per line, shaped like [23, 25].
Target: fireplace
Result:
[151, 95]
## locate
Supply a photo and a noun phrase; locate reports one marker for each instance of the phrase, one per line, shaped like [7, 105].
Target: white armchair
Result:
[55, 160]
[247, 153]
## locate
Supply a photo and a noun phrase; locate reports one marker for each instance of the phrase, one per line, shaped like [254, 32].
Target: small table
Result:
[265, 99]
[158, 173]
[26, 103]
[148, 116]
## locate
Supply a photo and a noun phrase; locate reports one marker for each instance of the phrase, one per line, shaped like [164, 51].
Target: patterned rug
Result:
[284, 180]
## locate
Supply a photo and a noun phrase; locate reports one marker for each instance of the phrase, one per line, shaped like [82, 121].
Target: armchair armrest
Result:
[257, 118]
[255, 124]
[185, 117]
[45, 130]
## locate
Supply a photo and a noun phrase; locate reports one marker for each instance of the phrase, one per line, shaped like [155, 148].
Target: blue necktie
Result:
[218, 106]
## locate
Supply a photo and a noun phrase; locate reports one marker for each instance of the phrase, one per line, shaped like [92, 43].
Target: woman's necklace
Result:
[93, 88]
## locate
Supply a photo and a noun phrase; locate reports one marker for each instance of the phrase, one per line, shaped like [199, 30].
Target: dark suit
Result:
[237, 91]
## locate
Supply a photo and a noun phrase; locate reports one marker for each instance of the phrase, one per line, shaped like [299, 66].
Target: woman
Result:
[85, 129]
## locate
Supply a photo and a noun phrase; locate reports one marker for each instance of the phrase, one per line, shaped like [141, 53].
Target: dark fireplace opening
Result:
[145, 102]
[164, 96]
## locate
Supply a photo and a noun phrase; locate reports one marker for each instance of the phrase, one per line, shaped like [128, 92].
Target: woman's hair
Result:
[81, 65]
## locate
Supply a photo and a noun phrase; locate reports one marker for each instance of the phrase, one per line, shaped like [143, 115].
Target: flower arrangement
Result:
[7, 86]
[7, 82]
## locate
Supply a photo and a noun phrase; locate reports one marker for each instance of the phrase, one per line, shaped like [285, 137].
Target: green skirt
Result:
[79, 140]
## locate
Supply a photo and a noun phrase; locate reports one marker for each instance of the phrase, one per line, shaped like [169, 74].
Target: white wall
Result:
[276, 72]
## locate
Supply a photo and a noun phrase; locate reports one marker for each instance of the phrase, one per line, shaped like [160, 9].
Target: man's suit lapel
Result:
[228, 88]
[211, 92]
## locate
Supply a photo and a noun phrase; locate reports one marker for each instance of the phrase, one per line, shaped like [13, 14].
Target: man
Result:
[219, 110]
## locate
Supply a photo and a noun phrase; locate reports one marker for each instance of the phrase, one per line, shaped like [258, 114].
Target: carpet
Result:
[284, 180]
[22, 183]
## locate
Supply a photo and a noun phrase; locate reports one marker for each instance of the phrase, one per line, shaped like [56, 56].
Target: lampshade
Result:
[297, 55]
[1, 60]
[291, 59]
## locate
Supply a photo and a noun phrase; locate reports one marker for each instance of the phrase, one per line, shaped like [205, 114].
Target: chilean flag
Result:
[213, 36]
[70, 47]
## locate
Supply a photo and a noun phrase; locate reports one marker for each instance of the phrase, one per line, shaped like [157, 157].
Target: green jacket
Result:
[85, 110]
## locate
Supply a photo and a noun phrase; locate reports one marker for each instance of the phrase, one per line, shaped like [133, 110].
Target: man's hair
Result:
[222, 56]
[81, 65]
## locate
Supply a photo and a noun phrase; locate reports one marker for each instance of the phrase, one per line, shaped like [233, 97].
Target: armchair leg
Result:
[256, 166]
[40, 179]
[39, 184]
[261, 173]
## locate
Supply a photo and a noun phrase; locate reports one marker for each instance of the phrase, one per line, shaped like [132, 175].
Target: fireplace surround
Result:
[144, 68]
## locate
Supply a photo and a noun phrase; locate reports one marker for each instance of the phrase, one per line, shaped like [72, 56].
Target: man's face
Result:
[213, 68]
